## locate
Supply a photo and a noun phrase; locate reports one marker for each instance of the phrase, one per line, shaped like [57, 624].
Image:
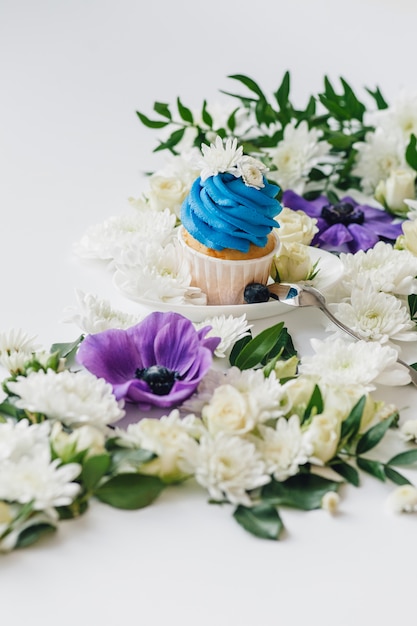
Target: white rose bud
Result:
[399, 186]
[86, 437]
[323, 434]
[292, 264]
[296, 226]
[330, 502]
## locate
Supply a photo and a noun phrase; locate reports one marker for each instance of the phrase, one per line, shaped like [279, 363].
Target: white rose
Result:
[298, 393]
[167, 193]
[229, 411]
[292, 264]
[399, 186]
[296, 226]
[323, 434]
[409, 241]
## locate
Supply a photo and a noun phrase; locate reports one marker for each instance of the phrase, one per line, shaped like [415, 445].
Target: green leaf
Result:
[206, 117]
[255, 350]
[67, 350]
[75, 509]
[135, 458]
[231, 122]
[375, 468]
[163, 109]
[238, 347]
[32, 534]
[185, 112]
[283, 91]
[7, 408]
[249, 83]
[351, 425]
[94, 469]
[396, 477]
[373, 436]
[347, 472]
[378, 97]
[130, 491]
[404, 458]
[172, 140]
[315, 404]
[411, 152]
[262, 520]
[412, 305]
[303, 491]
[150, 123]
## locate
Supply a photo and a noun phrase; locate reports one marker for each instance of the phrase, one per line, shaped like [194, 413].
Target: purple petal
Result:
[293, 201]
[335, 235]
[109, 355]
[362, 238]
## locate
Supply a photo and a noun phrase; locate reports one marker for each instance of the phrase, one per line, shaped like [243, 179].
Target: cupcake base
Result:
[223, 280]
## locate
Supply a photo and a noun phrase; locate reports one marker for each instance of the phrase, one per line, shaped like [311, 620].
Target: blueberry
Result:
[159, 378]
[255, 292]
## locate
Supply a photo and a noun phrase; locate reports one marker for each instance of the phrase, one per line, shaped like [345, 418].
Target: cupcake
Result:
[228, 228]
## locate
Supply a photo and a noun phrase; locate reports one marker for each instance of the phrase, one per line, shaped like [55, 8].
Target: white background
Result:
[71, 152]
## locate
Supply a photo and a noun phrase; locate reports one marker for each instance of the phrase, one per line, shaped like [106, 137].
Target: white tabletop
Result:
[72, 152]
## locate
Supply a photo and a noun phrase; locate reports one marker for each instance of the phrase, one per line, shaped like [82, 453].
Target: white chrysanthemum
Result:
[184, 166]
[230, 329]
[18, 439]
[339, 362]
[163, 276]
[265, 395]
[95, 315]
[40, 480]
[376, 316]
[283, 448]
[389, 270]
[171, 438]
[380, 154]
[403, 499]
[16, 348]
[400, 117]
[228, 467]
[299, 151]
[121, 237]
[221, 156]
[71, 398]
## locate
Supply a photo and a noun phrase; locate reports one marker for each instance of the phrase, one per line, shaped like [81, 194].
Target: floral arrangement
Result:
[138, 403]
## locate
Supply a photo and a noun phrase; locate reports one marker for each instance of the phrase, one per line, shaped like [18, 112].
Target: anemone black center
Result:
[342, 213]
[159, 378]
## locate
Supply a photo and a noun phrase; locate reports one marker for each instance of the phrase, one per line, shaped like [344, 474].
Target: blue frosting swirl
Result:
[222, 212]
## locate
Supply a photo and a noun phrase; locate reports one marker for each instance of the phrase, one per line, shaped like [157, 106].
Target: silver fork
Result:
[297, 295]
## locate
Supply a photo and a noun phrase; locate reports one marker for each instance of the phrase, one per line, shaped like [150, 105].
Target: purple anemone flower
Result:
[345, 226]
[158, 362]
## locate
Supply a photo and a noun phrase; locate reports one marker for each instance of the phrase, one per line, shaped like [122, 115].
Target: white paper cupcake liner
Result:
[224, 281]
